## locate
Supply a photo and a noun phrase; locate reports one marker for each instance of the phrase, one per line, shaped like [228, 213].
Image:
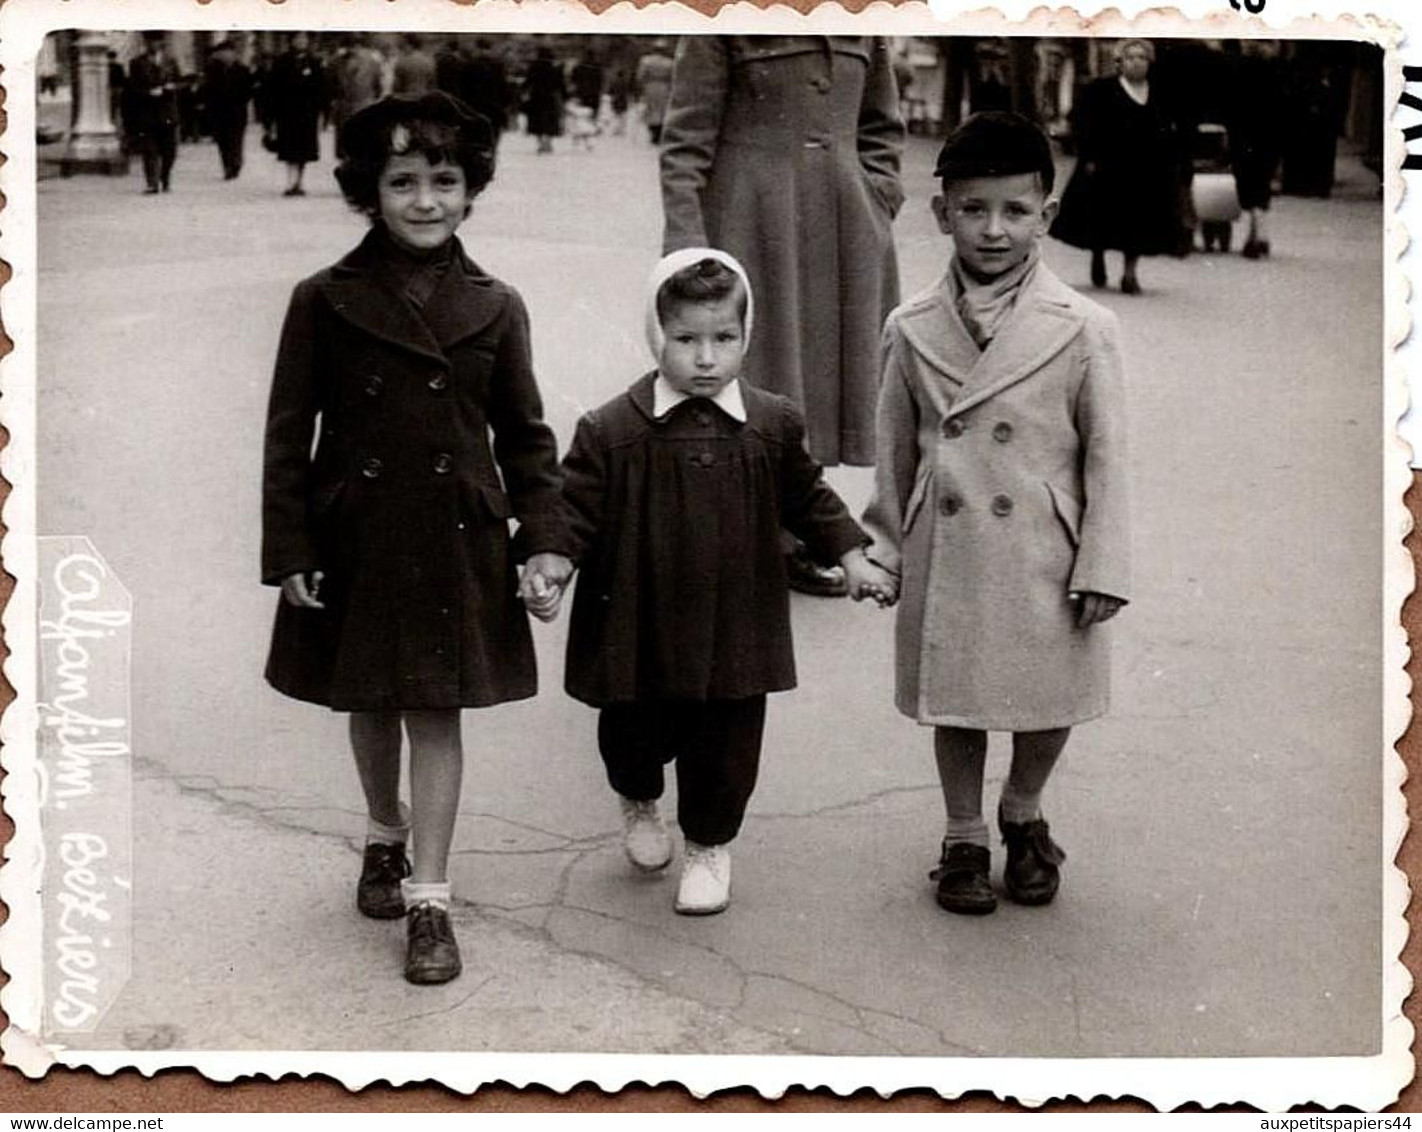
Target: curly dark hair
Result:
[436, 125]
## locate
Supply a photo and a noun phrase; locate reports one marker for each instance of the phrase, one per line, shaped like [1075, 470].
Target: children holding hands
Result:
[1000, 505]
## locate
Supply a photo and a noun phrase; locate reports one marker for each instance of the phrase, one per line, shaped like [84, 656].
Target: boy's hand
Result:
[541, 587]
[1093, 608]
[865, 579]
[302, 590]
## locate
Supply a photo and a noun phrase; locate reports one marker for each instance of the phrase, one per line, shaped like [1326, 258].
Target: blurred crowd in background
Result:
[568, 89]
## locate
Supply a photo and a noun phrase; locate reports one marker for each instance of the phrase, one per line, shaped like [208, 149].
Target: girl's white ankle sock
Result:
[425, 892]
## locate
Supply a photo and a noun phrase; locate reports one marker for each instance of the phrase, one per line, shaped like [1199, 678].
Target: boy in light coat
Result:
[1000, 504]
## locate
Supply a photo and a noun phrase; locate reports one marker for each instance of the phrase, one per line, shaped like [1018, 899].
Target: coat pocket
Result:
[922, 481]
[1068, 509]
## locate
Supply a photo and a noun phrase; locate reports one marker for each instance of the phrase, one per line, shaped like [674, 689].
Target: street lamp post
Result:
[94, 144]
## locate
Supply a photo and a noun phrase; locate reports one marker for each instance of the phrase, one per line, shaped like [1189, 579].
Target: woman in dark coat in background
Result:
[544, 93]
[297, 99]
[1125, 191]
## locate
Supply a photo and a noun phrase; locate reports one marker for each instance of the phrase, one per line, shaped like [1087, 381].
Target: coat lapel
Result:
[463, 304]
[1046, 317]
[932, 326]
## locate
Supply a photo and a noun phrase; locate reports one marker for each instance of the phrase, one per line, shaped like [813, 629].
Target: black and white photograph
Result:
[858, 553]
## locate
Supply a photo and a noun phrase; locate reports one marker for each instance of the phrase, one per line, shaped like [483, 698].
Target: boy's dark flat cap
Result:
[369, 128]
[995, 143]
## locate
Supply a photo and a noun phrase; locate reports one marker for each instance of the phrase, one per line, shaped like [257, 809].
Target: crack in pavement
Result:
[450, 1009]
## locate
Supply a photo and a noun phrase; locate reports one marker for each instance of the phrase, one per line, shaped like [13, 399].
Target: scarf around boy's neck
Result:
[983, 306]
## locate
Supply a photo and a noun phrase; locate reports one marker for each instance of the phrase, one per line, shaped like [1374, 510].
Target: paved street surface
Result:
[1222, 892]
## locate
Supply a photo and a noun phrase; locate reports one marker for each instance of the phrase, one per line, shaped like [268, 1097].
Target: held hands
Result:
[866, 579]
[1093, 608]
[303, 590]
[545, 576]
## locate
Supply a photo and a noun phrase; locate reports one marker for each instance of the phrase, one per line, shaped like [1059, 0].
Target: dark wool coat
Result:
[297, 98]
[405, 504]
[1001, 489]
[784, 151]
[1130, 200]
[544, 91]
[675, 525]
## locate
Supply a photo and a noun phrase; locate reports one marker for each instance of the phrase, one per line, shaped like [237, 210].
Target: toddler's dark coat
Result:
[675, 524]
[402, 506]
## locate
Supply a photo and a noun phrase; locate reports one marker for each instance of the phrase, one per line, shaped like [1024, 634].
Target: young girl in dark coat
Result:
[400, 596]
[676, 493]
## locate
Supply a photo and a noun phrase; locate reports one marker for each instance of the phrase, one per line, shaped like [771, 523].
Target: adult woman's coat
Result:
[1125, 191]
[297, 99]
[1000, 491]
[784, 151]
[403, 506]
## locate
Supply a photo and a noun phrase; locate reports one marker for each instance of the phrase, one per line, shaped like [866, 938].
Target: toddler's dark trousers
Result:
[716, 747]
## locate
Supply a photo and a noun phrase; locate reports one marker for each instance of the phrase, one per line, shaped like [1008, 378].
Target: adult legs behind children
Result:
[389, 884]
[1031, 875]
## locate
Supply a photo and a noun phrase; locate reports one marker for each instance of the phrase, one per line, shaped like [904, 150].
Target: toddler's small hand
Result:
[867, 579]
[541, 587]
[1095, 608]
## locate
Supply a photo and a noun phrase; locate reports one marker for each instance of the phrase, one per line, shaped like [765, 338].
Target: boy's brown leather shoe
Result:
[378, 891]
[432, 955]
[962, 876]
[1032, 874]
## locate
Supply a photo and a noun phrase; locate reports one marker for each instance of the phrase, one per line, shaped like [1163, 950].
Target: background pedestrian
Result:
[1124, 194]
[227, 88]
[297, 98]
[152, 110]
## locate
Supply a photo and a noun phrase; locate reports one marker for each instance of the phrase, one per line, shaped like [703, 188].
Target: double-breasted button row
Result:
[1001, 505]
[953, 428]
[373, 468]
[375, 384]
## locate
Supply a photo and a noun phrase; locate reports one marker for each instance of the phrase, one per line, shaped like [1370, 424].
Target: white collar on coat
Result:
[728, 399]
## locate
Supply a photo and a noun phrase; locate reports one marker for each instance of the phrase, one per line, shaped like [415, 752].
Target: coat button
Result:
[371, 469]
[1002, 432]
[439, 382]
[954, 428]
[374, 384]
[703, 417]
[821, 84]
[1002, 505]
[950, 504]
[705, 459]
[443, 464]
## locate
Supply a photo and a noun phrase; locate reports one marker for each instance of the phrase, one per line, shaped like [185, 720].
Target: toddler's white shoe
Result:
[645, 838]
[705, 880]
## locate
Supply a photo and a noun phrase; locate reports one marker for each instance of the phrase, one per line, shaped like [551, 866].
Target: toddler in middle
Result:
[676, 493]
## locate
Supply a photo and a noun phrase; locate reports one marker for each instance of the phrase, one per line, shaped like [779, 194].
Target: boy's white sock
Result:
[972, 830]
[425, 892]
[384, 834]
[1019, 806]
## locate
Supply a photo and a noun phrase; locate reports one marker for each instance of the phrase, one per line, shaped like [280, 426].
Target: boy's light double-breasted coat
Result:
[1001, 491]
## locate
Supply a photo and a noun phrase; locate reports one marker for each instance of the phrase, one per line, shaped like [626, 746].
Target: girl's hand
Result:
[303, 593]
[1095, 608]
[541, 587]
